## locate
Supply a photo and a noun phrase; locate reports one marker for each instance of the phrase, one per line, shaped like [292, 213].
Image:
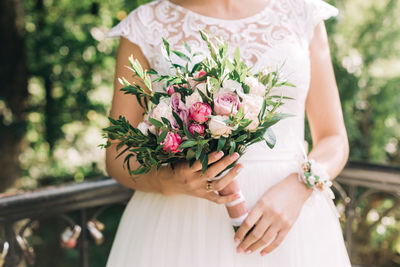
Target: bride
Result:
[172, 220]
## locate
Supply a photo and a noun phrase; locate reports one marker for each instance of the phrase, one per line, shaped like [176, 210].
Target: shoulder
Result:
[144, 13]
[309, 13]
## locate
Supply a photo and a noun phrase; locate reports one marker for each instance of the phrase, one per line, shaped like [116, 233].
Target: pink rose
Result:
[193, 98]
[199, 112]
[200, 74]
[197, 128]
[180, 108]
[223, 103]
[172, 142]
[171, 89]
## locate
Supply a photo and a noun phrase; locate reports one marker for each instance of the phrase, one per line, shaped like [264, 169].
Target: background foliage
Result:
[69, 73]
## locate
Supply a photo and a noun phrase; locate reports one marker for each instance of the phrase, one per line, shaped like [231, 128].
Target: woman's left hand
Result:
[272, 216]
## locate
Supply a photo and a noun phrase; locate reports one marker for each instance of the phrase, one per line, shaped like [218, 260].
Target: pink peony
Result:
[223, 103]
[172, 142]
[200, 74]
[171, 89]
[199, 112]
[197, 128]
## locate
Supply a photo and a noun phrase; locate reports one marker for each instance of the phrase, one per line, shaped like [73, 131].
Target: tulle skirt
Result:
[184, 231]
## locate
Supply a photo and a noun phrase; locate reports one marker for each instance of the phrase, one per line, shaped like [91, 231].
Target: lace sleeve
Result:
[131, 28]
[317, 10]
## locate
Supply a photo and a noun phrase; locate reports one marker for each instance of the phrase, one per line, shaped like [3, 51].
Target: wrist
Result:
[165, 180]
[300, 187]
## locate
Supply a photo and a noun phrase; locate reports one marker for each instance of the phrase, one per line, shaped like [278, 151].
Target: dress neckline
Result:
[206, 18]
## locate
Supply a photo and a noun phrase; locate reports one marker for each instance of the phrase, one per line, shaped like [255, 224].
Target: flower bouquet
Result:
[217, 104]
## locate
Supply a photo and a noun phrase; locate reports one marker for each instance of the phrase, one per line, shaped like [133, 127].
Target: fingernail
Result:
[239, 250]
[235, 156]
[220, 154]
[236, 240]
[263, 253]
[239, 169]
[248, 251]
[237, 195]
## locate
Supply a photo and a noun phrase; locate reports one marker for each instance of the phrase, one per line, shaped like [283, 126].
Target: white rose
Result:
[202, 87]
[218, 127]
[193, 98]
[311, 180]
[256, 87]
[232, 86]
[252, 103]
[252, 127]
[163, 109]
[143, 127]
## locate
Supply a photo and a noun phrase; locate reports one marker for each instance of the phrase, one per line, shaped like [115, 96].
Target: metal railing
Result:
[357, 182]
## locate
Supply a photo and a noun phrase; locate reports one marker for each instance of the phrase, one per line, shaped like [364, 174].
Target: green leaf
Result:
[196, 67]
[204, 161]
[270, 138]
[241, 138]
[152, 71]
[165, 121]
[155, 122]
[198, 151]
[141, 170]
[187, 144]
[237, 54]
[240, 113]
[187, 47]
[166, 45]
[181, 55]
[178, 119]
[233, 147]
[161, 137]
[188, 134]
[221, 143]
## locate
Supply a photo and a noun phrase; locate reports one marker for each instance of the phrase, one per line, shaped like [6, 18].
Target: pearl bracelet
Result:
[314, 174]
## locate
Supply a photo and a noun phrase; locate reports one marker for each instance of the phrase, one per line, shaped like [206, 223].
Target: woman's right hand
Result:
[190, 180]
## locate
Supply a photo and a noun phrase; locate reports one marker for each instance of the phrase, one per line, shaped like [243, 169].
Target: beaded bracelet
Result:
[314, 174]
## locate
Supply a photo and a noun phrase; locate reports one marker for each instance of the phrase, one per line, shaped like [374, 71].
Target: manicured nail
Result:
[263, 253]
[239, 169]
[248, 251]
[220, 154]
[235, 156]
[237, 240]
[239, 250]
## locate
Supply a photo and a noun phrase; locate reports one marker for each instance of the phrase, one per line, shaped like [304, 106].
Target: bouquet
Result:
[217, 104]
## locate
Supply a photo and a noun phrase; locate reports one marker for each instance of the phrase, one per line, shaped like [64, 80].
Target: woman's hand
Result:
[273, 216]
[190, 180]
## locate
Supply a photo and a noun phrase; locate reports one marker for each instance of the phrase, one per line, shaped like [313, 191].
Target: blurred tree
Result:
[13, 90]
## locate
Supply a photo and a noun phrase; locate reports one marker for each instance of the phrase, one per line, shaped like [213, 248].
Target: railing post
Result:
[350, 214]
[83, 240]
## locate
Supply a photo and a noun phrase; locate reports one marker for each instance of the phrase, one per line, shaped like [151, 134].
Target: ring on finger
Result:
[209, 186]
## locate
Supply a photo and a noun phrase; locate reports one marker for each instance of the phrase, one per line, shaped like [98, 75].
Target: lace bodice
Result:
[278, 36]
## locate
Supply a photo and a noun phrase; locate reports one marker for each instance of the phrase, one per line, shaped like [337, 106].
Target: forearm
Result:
[331, 151]
[149, 182]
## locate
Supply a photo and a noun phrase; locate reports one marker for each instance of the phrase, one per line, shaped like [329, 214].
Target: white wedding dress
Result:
[184, 231]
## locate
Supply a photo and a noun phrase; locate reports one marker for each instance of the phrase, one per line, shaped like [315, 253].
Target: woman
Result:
[171, 220]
